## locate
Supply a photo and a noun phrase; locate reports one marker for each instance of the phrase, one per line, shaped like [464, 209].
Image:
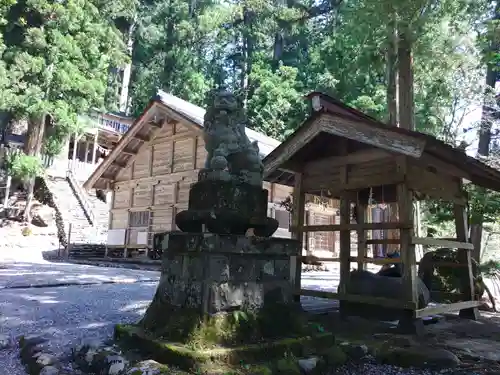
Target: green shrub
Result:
[288, 366]
[26, 231]
[334, 356]
[23, 167]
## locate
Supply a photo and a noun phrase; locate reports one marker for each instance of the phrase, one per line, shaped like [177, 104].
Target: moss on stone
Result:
[287, 366]
[259, 370]
[227, 329]
[334, 356]
[185, 357]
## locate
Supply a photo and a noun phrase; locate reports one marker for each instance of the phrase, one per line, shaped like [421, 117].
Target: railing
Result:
[81, 196]
[58, 168]
[110, 124]
[81, 171]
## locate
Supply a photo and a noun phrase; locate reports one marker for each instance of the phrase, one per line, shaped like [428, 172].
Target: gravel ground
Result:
[68, 315]
[23, 274]
[371, 368]
[34, 300]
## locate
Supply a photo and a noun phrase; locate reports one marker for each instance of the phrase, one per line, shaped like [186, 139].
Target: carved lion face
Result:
[224, 100]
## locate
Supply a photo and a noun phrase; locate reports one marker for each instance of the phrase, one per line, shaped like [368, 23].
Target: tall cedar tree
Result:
[57, 58]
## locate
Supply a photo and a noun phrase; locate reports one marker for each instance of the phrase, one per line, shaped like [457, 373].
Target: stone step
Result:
[87, 251]
[82, 232]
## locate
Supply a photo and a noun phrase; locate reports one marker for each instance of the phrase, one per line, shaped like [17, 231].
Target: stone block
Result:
[242, 268]
[228, 296]
[172, 266]
[218, 266]
[193, 268]
[282, 269]
[178, 243]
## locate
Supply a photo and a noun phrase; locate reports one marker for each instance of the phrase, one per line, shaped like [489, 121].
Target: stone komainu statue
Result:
[231, 155]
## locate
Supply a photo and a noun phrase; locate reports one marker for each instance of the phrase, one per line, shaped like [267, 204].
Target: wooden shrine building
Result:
[343, 154]
[150, 170]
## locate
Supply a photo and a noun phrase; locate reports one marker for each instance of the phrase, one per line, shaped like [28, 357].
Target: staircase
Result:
[84, 215]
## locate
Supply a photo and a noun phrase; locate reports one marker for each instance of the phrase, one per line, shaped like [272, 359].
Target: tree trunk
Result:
[406, 100]
[32, 147]
[392, 73]
[483, 149]
[8, 183]
[393, 110]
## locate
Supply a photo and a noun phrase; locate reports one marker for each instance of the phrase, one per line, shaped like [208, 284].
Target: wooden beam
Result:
[427, 241]
[167, 178]
[362, 249]
[442, 167]
[345, 244]
[336, 188]
[356, 227]
[458, 306]
[195, 151]
[145, 145]
[142, 138]
[157, 123]
[134, 129]
[118, 164]
[353, 158]
[405, 205]
[381, 301]
[383, 138]
[299, 204]
[293, 145]
[151, 160]
[129, 152]
[465, 258]
[384, 241]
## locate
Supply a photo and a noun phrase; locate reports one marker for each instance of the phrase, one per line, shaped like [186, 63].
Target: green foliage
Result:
[334, 356]
[57, 57]
[287, 365]
[63, 60]
[26, 231]
[22, 166]
[490, 268]
[276, 108]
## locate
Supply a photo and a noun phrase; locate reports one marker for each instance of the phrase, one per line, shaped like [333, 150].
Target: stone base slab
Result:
[189, 359]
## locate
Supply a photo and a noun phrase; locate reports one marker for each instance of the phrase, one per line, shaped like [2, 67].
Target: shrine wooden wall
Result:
[148, 194]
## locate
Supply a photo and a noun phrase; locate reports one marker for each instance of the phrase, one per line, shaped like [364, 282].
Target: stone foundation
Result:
[223, 283]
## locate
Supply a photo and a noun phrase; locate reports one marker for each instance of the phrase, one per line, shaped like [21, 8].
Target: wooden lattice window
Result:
[138, 219]
[283, 218]
[321, 241]
[380, 215]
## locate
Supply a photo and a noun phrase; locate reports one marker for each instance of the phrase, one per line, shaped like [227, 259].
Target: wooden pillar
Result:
[111, 205]
[75, 146]
[465, 257]
[361, 219]
[405, 209]
[407, 322]
[408, 258]
[86, 157]
[345, 244]
[94, 148]
[299, 202]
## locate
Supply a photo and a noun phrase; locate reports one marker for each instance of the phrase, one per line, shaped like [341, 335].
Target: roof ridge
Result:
[197, 114]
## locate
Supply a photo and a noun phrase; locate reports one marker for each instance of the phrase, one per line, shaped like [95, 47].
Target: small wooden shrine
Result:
[344, 154]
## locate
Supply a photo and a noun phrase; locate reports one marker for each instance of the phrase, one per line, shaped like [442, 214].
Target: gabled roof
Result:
[145, 127]
[197, 114]
[401, 141]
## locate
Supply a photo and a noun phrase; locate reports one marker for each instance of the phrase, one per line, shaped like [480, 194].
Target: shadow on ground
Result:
[69, 315]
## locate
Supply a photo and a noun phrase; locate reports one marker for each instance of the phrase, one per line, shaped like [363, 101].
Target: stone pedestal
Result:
[226, 291]
[213, 275]
[218, 273]
[226, 207]
[208, 278]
